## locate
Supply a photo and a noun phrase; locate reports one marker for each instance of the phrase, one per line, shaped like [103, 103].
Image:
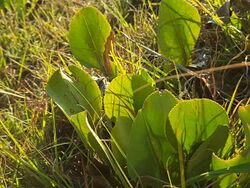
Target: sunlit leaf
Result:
[84, 130]
[123, 98]
[90, 36]
[239, 159]
[244, 114]
[151, 142]
[178, 30]
[76, 92]
[193, 121]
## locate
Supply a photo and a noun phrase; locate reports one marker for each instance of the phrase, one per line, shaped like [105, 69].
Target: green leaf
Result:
[178, 30]
[157, 120]
[124, 96]
[244, 114]
[202, 157]
[91, 139]
[218, 164]
[90, 36]
[193, 121]
[75, 93]
[120, 134]
[145, 75]
[141, 157]
[243, 157]
[149, 148]
[239, 159]
[83, 129]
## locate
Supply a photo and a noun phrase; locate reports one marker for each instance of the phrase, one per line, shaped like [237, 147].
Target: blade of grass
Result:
[233, 96]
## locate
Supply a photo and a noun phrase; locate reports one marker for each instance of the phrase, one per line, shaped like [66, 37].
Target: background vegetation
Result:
[38, 146]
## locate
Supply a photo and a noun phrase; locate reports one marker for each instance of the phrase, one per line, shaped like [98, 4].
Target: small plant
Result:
[154, 139]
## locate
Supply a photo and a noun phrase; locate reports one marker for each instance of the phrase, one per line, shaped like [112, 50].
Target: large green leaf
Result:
[157, 121]
[90, 37]
[76, 92]
[202, 157]
[120, 134]
[193, 121]
[178, 30]
[141, 158]
[149, 149]
[124, 96]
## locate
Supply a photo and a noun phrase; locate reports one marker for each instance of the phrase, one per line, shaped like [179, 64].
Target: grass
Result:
[38, 146]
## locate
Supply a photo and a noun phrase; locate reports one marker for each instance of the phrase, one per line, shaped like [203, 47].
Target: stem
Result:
[181, 162]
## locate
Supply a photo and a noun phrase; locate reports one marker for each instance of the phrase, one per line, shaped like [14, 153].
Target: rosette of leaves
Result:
[79, 97]
[173, 140]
